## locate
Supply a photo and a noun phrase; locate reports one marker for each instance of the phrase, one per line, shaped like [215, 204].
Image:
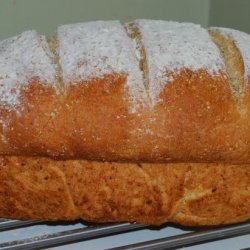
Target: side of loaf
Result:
[152, 91]
[189, 194]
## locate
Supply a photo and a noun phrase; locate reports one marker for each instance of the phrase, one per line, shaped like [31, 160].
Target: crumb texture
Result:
[23, 58]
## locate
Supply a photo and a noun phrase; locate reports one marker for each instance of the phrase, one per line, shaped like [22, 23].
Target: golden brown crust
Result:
[189, 194]
[76, 124]
[197, 119]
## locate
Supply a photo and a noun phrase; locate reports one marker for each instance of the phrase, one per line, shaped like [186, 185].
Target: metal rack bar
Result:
[190, 238]
[88, 232]
[69, 236]
[10, 224]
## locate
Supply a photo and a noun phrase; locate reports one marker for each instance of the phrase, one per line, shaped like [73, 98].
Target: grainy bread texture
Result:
[190, 194]
[156, 91]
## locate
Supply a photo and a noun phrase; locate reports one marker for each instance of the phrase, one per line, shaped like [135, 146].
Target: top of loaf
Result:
[94, 49]
[22, 58]
[172, 46]
[242, 41]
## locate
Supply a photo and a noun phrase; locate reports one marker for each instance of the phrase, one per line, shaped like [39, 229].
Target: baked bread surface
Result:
[78, 113]
[189, 194]
[157, 92]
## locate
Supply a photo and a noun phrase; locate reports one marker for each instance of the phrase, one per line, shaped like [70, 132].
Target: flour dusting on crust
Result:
[22, 58]
[94, 49]
[242, 41]
[172, 46]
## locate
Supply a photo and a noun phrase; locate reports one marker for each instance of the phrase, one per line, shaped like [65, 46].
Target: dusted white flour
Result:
[22, 58]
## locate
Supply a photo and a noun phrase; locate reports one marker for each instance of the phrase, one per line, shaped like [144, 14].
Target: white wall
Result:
[45, 15]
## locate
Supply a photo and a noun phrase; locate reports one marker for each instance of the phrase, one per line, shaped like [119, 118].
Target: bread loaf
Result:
[190, 194]
[154, 91]
[146, 122]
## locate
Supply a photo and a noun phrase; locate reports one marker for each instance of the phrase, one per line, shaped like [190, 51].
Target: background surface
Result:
[45, 15]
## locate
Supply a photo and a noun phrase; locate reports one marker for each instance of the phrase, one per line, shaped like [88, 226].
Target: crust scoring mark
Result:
[53, 44]
[233, 61]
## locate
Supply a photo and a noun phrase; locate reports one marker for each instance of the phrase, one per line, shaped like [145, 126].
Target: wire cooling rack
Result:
[93, 231]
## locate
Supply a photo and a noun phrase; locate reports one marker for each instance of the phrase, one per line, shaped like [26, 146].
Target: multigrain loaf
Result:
[154, 91]
[147, 122]
[189, 194]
